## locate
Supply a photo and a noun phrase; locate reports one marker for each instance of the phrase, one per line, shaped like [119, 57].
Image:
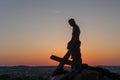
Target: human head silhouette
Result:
[71, 22]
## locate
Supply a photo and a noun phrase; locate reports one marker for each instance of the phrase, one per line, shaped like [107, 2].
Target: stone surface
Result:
[58, 77]
[84, 75]
[87, 75]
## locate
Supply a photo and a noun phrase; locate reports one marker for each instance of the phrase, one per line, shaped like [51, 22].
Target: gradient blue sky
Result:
[32, 30]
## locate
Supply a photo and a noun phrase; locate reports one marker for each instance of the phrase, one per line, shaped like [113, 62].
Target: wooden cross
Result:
[63, 60]
[59, 59]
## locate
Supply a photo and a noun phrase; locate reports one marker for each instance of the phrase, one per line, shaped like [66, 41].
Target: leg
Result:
[77, 61]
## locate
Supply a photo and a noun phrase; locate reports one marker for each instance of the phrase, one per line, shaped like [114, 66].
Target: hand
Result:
[69, 45]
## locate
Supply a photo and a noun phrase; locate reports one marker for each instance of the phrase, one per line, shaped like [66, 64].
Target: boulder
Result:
[84, 75]
[87, 75]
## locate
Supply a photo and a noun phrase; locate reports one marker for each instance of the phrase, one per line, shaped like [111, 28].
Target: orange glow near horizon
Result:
[37, 55]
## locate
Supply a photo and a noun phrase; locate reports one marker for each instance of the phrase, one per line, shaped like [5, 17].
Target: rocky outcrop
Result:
[84, 75]
[91, 73]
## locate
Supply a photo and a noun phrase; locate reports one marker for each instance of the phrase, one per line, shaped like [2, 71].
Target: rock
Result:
[87, 75]
[84, 75]
[57, 77]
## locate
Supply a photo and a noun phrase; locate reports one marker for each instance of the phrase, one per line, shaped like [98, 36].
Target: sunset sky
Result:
[32, 30]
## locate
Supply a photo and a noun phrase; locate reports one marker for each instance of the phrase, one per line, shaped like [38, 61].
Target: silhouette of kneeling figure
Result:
[74, 47]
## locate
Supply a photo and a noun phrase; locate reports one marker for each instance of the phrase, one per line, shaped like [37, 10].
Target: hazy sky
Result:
[32, 30]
